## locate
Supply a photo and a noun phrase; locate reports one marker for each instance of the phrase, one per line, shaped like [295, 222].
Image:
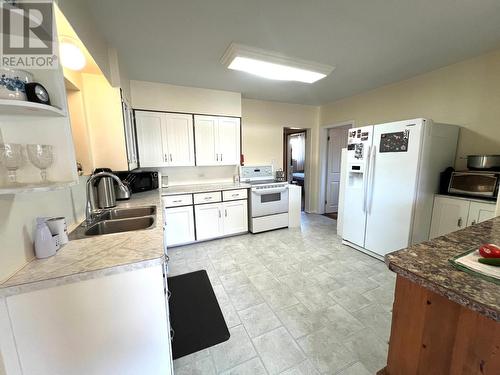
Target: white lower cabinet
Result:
[235, 217]
[221, 219]
[208, 221]
[480, 212]
[115, 324]
[451, 214]
[179, 225]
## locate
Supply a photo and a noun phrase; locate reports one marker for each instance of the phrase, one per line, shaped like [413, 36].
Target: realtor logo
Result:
[27, 39]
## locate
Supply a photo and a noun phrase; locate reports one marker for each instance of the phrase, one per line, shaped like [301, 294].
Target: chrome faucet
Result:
[90, 209]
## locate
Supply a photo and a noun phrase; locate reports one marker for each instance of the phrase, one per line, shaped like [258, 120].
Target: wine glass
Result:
[42, 157]
[11, 156]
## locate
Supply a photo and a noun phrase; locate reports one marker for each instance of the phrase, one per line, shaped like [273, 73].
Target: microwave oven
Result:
[474, 184]
[140, 181]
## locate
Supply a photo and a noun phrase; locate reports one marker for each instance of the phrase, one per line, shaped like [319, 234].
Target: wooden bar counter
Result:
[444, 321]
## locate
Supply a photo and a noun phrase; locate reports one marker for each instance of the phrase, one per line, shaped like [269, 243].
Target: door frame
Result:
[323, 160]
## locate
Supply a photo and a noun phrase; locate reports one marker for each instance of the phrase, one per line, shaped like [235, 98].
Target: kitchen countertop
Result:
[427, 264]
[96, 256]
[201, 188]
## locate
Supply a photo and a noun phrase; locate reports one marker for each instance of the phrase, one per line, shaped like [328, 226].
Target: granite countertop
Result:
[201, 188]
[427, 264]
[96, 256]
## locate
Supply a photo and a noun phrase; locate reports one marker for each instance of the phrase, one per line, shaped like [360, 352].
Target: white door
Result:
[150, 134]
[205, 129]
[228, 141]
[354, 219]
[448, 215]
[392, 185]
[235, 217]
[130, 139]
[179, 225]
[480, 212]
[180, 139]
[337, 140]
[208, 221]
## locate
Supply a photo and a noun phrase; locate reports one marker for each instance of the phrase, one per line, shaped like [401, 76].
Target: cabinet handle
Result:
[235, 195]
[217, 157]
[170, 157]
[220, 214]
[165, 159]
[220, 157]
[459, 223]
[177, 201]
[167, 258]
[225, 212]
[207, 198]
[172, 334]
[473, 222]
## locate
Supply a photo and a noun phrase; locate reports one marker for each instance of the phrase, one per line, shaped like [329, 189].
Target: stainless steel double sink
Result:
[117, 220]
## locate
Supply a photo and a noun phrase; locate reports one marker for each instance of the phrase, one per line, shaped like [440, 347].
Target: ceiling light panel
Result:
[273, 65]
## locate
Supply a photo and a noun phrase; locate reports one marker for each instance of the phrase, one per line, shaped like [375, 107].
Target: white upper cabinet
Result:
[205, 135]
[151, 147]
[180, 139]
[164, 139]
[217, 140]
[229, 140]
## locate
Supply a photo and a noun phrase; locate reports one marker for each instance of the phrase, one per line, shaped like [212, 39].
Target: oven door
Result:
[269, 201]
[474, 184]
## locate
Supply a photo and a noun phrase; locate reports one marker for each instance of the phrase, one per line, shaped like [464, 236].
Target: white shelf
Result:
[30, 188]
[24, 108]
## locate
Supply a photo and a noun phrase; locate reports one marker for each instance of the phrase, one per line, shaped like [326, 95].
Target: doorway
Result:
[336, 141]
[294, 158]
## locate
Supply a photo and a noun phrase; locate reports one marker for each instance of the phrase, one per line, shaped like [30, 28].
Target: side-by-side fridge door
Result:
[359, 144]
[392, 185]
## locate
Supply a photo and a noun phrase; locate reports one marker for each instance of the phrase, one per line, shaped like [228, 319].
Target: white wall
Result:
[262, 141]
[196, 175]
[80, 18]
[171, 98]
[465, 94]
[17, 221]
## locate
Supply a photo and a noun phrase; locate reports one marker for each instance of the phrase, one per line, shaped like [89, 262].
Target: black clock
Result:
[35, 92]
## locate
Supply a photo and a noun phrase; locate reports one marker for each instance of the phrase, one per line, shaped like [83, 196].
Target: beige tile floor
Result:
[295, 301]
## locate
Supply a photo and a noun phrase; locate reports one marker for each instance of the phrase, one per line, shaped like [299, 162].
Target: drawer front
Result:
[177, 200]
[232, 195]
[211, 197]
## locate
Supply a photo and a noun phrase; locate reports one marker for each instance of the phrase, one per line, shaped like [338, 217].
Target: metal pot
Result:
[483, 162]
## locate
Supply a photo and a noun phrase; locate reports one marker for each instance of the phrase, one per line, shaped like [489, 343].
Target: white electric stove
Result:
[268, 198]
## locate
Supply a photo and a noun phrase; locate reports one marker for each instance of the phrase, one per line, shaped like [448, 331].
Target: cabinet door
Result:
[179, 225]
[235, 217]
[480, 212]
[150, 134]
[208, 221]
[448, 215]
[65, 329]
[229, 141]
[130, 139]
[205, 129]
[180, 139]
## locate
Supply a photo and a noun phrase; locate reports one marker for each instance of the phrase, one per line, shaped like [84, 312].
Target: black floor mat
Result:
[195, 315]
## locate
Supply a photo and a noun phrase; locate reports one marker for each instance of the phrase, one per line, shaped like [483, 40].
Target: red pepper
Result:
[489, 251]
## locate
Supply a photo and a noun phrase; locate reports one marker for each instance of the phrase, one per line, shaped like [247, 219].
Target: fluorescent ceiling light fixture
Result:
[72, 56]
[273, 65]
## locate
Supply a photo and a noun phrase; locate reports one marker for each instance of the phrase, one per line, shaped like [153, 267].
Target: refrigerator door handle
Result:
[366, 178]
[372, 178]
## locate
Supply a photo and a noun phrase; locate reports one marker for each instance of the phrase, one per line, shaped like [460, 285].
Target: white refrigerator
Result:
[393, 172]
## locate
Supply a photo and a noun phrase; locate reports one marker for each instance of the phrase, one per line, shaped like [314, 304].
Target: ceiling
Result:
[370, 42]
